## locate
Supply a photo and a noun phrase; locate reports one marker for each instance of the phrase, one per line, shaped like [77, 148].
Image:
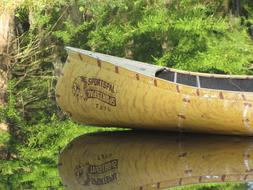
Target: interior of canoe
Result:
[200, 80]
[209, 81]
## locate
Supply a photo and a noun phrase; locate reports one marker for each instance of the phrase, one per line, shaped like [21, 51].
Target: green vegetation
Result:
[214, 186]
[197, 35]
[33, 149]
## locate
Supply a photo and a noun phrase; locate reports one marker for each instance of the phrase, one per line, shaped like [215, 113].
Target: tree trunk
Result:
[6, 39]
[232, 5]
[75, 15]
[237, 7]
[226, 5]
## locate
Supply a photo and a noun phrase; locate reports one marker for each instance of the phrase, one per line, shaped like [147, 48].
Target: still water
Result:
[142, 160]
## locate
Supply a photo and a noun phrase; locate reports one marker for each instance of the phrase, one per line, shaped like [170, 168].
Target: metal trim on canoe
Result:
[136, 66]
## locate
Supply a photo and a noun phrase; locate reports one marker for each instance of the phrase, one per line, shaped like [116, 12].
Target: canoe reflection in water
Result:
[143, 160]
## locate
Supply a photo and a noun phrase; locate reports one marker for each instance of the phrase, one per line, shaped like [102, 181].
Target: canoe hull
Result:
[96, 92]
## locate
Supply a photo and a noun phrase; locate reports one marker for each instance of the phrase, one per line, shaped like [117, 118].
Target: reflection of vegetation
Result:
[201, 35]
[228, 186]
[32, 163]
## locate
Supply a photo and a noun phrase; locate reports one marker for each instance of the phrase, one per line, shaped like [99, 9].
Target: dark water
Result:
[155, 160]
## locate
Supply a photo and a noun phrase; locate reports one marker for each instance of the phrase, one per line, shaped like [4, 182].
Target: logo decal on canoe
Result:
[101, 174]
[86, 88]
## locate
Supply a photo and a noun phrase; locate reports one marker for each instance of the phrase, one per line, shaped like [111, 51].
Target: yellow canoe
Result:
[147, 161]
[103, 90]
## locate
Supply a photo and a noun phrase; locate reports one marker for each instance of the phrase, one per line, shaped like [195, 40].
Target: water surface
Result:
[154, 160]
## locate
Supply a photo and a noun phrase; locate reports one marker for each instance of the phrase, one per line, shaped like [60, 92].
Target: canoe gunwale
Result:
[132, 65]
[203, 82]
[139, 66]
[159, 68]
